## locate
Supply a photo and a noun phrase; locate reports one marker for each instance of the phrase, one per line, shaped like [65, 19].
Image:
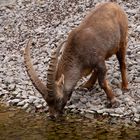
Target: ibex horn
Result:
[31, 72]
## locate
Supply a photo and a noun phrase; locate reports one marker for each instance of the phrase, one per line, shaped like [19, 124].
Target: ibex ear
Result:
[61, 80]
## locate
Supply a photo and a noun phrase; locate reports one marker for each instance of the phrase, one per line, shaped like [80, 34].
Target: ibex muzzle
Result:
[101, 34]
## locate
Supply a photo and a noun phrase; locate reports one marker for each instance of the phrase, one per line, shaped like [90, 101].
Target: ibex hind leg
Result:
[105, 86]
[92, 80]
[121, 58]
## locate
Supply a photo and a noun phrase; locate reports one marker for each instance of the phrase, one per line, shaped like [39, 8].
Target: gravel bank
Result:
[50, 22]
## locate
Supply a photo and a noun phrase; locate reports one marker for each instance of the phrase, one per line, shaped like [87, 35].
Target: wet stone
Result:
[15, 101]
[25, 106]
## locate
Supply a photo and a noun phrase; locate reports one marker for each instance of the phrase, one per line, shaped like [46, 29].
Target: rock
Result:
[89, 115]
[119, 111]
[115, 81]
[21, 103]
[24, 95]
[9, 79]
[1, 94]
[39, 106]
[44, 104]
[131, 103]
[32, 99]
[100, 111]
[29, 110]
[118, 92]
[136, 115]
[136, 119]
[25, 106]
[83, 100]
[128, 113]
[138, 108]
[15, 101]
[127, 99]
[71, 106]
[138, 28]
[11, 87]
[137, 80]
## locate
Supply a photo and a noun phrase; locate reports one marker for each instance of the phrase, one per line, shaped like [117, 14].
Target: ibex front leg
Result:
[71, 78]
[104, 84]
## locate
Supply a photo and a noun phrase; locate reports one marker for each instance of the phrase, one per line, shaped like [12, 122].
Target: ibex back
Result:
[101, 34]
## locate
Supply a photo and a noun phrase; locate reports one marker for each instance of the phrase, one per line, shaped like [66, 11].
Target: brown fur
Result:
[101, 34]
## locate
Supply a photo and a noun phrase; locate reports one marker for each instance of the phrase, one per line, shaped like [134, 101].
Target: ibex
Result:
[101, 34]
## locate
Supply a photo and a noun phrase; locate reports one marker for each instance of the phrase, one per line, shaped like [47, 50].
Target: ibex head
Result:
[53, 91]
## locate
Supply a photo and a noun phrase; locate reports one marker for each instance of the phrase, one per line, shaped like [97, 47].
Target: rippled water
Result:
[18, 125]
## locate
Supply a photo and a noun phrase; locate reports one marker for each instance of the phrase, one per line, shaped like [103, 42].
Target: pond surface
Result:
[19, 125]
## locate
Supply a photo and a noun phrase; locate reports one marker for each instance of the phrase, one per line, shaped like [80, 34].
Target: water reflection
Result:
[18, 125]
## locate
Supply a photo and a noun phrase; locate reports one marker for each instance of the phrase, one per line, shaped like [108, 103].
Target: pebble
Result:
[71, 106]
[25, 106]
[119, 111]
[100, 111]
[89, 115]
[136, 120]
[39, 106]
[118, 92]
[1, 94]
[11, 87]
[21, 103]
[15, 101]
[138, 28]
[32, 99]
[127, 99]
[83, 100]
[137, 80]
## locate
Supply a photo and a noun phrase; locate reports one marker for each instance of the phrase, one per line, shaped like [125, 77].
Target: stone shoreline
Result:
[50, 22]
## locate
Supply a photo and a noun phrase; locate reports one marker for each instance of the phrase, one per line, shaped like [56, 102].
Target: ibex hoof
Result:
[86, 86]
[114, 103]
[124, 87]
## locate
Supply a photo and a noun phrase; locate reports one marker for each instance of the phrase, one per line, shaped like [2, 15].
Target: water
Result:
[19, 125]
